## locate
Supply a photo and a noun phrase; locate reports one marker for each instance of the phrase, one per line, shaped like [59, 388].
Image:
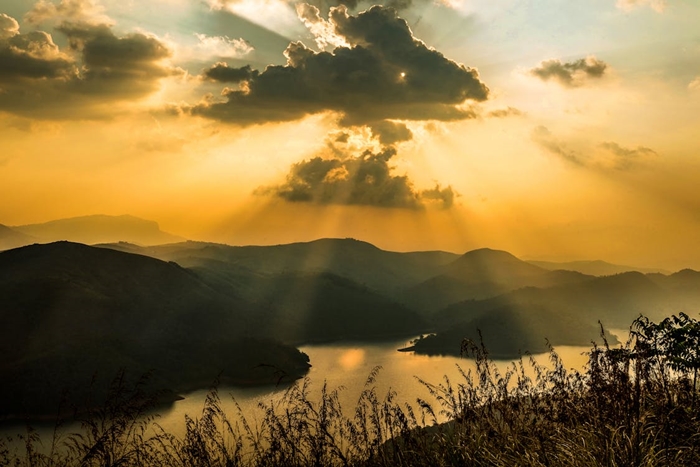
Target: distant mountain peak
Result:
[100, 228]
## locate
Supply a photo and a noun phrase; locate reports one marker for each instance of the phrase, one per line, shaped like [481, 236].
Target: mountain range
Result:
[88, 230]
[195, 311]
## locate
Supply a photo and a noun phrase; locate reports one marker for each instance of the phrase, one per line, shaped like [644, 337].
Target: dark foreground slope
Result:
[69, 311]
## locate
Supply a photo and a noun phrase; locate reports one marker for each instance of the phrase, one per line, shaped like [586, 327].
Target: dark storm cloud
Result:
[347, 180]
[383, 73]
[38, 79]
[570, 74]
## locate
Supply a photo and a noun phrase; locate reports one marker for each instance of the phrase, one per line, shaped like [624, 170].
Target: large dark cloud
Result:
[571, 74]
[38, 79]
[365, 180]
[382, 73]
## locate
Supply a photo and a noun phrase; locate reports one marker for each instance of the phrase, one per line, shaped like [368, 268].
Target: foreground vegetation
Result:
[634, 405]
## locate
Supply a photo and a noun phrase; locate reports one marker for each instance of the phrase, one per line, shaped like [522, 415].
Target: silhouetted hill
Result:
[100, 229]
[594, 268]
[386, 272]
[481, 274]
[68, 311]
[11, 238]
[566, 314]
[315, 307]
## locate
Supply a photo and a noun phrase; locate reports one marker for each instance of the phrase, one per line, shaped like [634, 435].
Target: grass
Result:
[634, 405]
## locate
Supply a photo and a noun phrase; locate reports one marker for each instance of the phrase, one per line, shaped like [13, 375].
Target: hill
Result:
[11, 238]
[68, 311]
[480, 274]
[99, 229]
[566, 314]
[385, 272]
[594, 268]
[314, 306]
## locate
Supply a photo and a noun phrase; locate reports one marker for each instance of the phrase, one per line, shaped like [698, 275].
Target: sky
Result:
[553, 129]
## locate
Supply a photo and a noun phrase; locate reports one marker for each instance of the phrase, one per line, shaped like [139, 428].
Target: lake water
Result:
[345, 365]
[348, 365]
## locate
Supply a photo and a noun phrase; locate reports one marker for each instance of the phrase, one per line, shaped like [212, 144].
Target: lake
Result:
[343, 365]
[348, 365]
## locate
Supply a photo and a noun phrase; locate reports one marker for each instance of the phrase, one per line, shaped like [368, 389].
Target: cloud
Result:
[570, 74]
[9, 27]
[388, 132]
[622, 158]
[445, 196]
[84, 11]
[605, 156]
[324, 6]
[628, 5]
[222, 46]
[383, 74]
[542, 136]
[695, 84]
[38, 79]
[507, 112]
[222, 73]
[355, 180]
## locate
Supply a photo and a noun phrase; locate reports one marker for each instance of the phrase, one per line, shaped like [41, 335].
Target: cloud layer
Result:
[382, 73]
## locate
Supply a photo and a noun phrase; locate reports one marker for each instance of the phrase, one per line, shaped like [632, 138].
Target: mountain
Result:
[593, 268]
[11, 238]
[68, 311]
[566, 314]
[382, 271]
[99, 229]
[315, 306]
[481, 274]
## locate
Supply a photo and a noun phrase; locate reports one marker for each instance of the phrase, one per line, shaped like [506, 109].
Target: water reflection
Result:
[347, 366]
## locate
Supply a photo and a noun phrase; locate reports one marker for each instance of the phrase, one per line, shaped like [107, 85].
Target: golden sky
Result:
[552, 129]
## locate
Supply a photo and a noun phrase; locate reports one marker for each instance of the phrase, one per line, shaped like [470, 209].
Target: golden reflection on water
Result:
[351, 359]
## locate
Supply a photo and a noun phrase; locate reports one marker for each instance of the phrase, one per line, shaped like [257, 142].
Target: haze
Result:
[555, 130]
